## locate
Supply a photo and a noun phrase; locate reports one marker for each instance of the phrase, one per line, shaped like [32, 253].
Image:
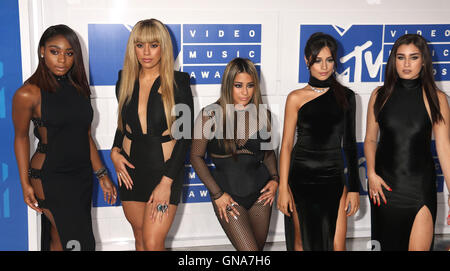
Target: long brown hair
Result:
[233, 68]
[43, 77]
[150, 30]
[426, 76]
[314, 45]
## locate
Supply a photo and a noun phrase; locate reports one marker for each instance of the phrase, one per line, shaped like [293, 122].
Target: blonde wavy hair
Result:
[150, 30]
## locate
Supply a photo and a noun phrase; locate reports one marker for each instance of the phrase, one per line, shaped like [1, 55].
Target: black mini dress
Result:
[146, 152]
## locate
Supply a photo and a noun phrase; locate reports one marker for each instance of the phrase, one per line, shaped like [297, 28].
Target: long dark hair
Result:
[314, 45]
[233, 68]
[426, 76]
[43, 77]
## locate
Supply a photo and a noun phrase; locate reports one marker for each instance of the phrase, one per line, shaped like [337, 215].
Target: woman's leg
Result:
[341, 224]
[421, 236]
[260, 221]
[239, 230]
[134, 212]
[155, 232]
[298, 245]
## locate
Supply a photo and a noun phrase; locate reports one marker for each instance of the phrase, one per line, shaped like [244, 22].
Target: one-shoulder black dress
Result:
[404, 160]
[146, 152]
[316, 177]
[62, 162]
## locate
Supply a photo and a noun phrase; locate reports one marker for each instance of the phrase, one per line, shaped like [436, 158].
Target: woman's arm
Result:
[118, 159]
[350, 150]
[202, 134]
[270, 189]
[285, 202]
[441, 132]
[24, 101]
[109, 190]
[370, 147]
[176, 161]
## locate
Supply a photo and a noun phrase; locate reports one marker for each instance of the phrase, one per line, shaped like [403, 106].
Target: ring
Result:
[233, 204]
[162, 208]
[120, 174]
[375, 194]
[228, 208]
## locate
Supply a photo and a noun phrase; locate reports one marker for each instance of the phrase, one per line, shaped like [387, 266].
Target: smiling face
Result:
[323, 66]
[148, 54]
[58, 55]
[408, 61]
[243, 89]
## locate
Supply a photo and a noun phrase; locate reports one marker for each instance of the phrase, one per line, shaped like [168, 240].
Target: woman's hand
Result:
[160, 199]
[30, 198]
[285, 201]
[109, 190]
[268, 192]
[352, 199]
[225, 204]
[376, 190]
[120, 162]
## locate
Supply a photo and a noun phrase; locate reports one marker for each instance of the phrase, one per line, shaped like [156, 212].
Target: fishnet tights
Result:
[249, 231]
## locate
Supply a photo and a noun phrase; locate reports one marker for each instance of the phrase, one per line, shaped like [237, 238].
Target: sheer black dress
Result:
[62, 164]
[404, 160]
[316, 177]
[242, 173]
[146, 153]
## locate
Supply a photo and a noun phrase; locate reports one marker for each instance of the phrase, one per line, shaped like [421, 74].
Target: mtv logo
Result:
[107, 44]
[360, 51]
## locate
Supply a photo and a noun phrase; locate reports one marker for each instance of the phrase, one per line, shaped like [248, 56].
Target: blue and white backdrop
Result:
[206, 36]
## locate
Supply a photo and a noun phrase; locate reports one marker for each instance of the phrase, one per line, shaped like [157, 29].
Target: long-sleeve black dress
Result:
[62, 162]
[146, 152]
[405, 162]
[316, 176]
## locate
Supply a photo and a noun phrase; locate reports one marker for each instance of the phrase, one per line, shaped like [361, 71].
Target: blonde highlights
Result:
[234, 67]
[150, 30]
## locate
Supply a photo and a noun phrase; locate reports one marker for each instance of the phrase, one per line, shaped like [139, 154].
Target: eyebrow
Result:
[57, 47]
[417, 53]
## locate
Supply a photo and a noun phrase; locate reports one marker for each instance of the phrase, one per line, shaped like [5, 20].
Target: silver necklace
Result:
[318, 90]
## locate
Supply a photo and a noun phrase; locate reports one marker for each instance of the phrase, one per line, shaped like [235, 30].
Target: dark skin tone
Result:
[58, 57]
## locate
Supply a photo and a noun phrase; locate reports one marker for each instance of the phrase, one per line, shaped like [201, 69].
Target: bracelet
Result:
[101, 173]
[275, 178]
[217, 195]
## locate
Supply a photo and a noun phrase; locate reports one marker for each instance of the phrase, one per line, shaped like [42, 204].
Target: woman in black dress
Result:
[405, 112]
[148, 152]
[58, 181]
[312, 171]
[243, 185]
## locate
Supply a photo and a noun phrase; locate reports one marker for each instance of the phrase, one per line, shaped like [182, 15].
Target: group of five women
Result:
[149, 150]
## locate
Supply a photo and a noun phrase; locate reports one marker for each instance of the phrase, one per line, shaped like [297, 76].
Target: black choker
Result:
[314, 82]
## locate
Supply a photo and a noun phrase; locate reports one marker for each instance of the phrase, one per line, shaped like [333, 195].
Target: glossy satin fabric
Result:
[404, 161]
[317, 175]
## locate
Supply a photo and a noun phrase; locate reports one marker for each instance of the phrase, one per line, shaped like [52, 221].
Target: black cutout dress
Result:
[146, 152]
[405, 162]
[66, 171]
[316, 176]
